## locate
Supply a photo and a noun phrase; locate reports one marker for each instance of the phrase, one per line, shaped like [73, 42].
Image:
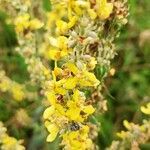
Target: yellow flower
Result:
[92, 13]
[53, 129]
[127, 124]
[88, 109]
[7, 142]
[48, 112]
[22, 117]
[57, 71]
[104, 9]
[35, 24]
[4, 85]
[77, 105]
[55, 87]
[51, 97]
[88, 79]
[122, 134]
[72, 68]
[75, 7]
[71, 83]
[2, 131]
[53, 16]
[146, 110]
[56, 54]
[59, 48]
[73, 111]
[91, 63]
[17, 92]
[62, 26]
[10, 143]
[46, 72]
[72, 22]
[77, 139]
[82, 78]
[23, 22]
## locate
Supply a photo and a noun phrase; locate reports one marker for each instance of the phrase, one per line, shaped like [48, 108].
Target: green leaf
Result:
[100, 72]
[47, 5]
[3, 16]
[7, 32]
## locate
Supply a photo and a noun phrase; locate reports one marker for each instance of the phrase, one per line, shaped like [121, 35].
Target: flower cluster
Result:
[15, 89]
[69, 111]
[27, 27]
[21, 118]
[7, 142]
[135, 134]
[76, 46]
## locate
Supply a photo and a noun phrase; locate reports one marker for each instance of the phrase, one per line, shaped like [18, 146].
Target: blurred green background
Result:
[129, 88]
[125, 92]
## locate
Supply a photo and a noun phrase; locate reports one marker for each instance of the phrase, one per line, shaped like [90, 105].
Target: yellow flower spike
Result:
[104, 9]
[127, 124]
[48, 112]
[146, 110]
